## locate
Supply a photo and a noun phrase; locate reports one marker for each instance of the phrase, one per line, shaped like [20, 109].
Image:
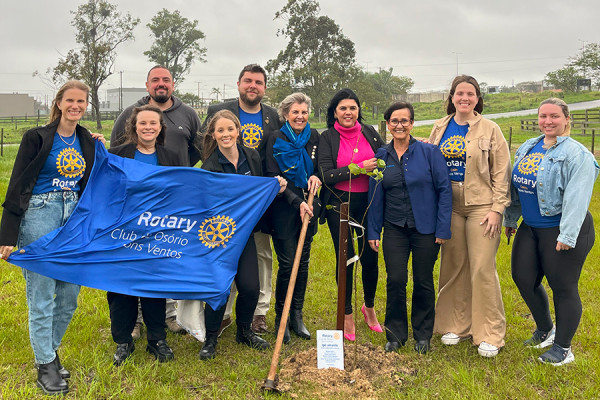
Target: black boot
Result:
[297, 324]
[123, 352]
[210, 346]
[49, 379]
[245, 336]
[286, 334]
[61, 370]
[160, 349]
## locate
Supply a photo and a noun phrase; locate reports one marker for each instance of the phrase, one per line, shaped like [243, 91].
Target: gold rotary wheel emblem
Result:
[251, 135]
[529, 164]
[454, 147]
[70, 163]
[216, 231]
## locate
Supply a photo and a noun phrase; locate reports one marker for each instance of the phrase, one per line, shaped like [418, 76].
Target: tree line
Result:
[584, 65]
[318, 59]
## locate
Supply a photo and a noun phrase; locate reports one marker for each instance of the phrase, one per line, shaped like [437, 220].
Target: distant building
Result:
[429, 97]
[130, 96]
[17, 105]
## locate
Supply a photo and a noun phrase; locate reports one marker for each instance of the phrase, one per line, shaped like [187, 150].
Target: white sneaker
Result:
[450, 339]
[487, 350]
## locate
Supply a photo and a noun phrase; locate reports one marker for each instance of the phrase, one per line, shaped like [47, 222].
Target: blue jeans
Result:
[51, 302]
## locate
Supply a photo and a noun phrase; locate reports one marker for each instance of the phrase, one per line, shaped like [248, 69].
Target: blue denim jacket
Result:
[565, 182]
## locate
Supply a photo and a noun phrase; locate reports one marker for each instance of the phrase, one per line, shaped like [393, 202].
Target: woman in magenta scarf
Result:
[348, 141]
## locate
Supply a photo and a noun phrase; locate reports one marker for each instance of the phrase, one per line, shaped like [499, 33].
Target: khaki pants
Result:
[469, 299]
[265, 276]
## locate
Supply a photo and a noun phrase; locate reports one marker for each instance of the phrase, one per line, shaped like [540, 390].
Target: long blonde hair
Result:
[55, 112]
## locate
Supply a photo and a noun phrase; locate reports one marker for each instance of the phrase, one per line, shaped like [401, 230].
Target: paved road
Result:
[572, 107]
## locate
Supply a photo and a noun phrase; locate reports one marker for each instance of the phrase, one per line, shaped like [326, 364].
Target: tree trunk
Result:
[96, 108]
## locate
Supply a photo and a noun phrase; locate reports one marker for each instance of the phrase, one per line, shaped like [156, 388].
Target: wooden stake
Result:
[342, 259]
[269, 384]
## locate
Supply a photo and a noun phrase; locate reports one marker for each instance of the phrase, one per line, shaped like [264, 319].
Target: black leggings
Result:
[534, 256]
[248, 286]
[368, 259]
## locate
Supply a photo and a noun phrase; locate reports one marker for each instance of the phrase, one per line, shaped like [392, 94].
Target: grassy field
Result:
[446, 372]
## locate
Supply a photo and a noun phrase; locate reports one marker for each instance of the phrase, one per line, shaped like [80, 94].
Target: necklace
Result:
[357, 140]
[65, 142]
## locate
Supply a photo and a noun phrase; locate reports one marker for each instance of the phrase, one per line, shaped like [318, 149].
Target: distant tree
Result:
[99, 29]
[508, 89]
[564, 78]
[190, 99]
[216, 91]
[176, 43]
[588, 62]
[390, 85]
[280, 85]
[529, 86]
[377, 90]
[317, 55]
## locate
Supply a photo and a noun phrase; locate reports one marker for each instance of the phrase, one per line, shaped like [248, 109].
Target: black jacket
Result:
[33, 152]
[285, 220]
[212, 164]
[329, 147]
[166, 157]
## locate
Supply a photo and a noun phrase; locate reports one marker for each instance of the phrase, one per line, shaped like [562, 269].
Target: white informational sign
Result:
[330, 349]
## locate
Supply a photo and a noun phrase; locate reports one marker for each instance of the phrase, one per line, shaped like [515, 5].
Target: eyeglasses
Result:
[394, 122]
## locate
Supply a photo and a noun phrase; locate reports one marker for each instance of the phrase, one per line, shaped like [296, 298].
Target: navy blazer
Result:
[429, 189]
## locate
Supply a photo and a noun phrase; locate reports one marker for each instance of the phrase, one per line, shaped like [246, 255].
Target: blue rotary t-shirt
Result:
[524, 179]
[151, 159]
[63, 168]
[252, 129]
[454, 151]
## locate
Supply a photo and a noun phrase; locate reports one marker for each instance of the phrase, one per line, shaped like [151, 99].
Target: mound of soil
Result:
[368, 370]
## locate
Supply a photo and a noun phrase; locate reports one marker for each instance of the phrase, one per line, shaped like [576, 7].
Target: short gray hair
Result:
[286, 104]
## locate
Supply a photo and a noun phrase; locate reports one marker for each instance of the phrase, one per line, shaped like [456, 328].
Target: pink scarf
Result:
[354, 148]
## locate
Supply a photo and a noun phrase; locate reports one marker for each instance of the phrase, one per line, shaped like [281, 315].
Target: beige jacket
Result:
[487, 171]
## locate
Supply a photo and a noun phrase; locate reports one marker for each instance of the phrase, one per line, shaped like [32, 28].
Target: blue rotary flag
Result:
[151, 231]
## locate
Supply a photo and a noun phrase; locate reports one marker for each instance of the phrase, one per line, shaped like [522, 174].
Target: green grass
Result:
[13, 130]
[455, 372]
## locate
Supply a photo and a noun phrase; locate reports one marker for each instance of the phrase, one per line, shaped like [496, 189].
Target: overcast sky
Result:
[498, 42]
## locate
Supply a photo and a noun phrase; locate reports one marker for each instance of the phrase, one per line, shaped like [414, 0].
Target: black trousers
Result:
[286, 251]
[534, 256]
[248, 286]
[123, 315]
[397, 244]
[368, 259]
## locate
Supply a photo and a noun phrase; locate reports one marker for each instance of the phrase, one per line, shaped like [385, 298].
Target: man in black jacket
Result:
[183, 126]
[258, 122]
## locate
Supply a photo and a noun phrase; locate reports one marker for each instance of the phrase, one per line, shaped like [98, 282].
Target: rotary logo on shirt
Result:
[530, 163]
[454, 147]
[70, 163]
[251, 135]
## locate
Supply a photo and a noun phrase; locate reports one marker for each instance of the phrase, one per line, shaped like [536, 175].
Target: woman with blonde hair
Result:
[52, 167]
[224, 153]
[552, 184]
